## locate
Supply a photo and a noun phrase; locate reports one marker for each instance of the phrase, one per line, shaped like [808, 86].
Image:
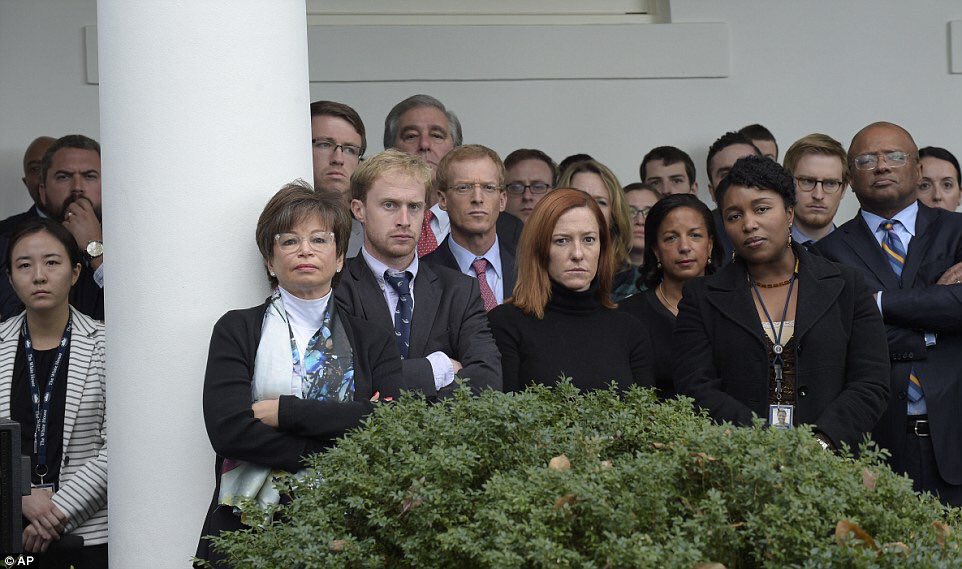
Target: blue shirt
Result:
[493, 274]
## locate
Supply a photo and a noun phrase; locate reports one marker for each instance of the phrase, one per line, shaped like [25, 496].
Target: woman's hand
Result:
[32, 542]
[43, 514]
[266, 412]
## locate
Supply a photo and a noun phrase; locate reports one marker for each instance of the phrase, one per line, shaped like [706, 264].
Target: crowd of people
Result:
[436, 263]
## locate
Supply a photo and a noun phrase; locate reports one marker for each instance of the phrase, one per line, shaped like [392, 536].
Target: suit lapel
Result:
[371, 305]
[818, 289]
[919, 245]
[730, 295]
[427, 297]
[509, 270]
[860, 238]
[79, 365]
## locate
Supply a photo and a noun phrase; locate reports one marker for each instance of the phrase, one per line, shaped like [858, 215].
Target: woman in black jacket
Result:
[560, 320]
[285, 379]
[780, 333]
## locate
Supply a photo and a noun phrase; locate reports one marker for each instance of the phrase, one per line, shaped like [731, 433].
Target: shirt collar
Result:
[799, 236]
[444, 222]
[906, 217]
[465, 258]
[378, 268]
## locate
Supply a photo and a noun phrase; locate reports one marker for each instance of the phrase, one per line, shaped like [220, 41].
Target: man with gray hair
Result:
[422, 126]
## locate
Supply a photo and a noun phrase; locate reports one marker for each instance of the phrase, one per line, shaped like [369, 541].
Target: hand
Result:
[377, 397]
[32, 542]
[43, 514]
[266, 412]
[81, 221]
[456, 365]
[952, 275]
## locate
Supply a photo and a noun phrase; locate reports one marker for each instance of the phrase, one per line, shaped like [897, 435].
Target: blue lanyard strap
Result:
[41, 407]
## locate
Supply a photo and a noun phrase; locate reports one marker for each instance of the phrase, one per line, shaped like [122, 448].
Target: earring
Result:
[272, 274]
[789, 238]
[659, 264]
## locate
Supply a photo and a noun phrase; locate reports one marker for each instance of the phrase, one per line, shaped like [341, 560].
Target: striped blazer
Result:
[83, 464]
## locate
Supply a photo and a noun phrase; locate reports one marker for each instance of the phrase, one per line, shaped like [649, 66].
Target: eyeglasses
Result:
[486, 187]
[895, 158]
[328, 146]
[318, 241]
[536, 188]
[829, 186]
[634, 212]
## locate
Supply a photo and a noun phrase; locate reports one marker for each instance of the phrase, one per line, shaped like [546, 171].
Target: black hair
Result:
[573, 159]
[36, 225]
[651, 273]
[668, 155]
[758, 172]
[759, 132]
[942, 154]
[69, 141]
[726, 140]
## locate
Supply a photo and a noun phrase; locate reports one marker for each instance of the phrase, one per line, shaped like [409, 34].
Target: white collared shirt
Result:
[441, 365]
[493, 274]
[440, 223]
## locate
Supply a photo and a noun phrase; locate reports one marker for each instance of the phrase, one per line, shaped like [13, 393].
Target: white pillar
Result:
[203, 116]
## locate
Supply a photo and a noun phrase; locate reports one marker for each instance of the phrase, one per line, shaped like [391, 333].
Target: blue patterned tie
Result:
[892, 246]
[405, 309]
[895, 253]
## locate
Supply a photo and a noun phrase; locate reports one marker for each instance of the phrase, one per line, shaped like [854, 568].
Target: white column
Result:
[204, 115]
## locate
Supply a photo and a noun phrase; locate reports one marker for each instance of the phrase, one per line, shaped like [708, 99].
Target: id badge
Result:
[781, 416]
[52, 486]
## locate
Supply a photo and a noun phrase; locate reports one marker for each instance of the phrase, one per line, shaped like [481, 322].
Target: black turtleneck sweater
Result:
[577, 338]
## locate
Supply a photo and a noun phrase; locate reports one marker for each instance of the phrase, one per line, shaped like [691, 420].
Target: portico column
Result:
[203, 116]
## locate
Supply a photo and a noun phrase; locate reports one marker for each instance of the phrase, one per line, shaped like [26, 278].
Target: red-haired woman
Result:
[560, 320]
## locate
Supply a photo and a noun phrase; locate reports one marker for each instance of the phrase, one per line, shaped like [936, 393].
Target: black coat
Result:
[304, 426]
[910, 307]
[448, 317]
[841, 382]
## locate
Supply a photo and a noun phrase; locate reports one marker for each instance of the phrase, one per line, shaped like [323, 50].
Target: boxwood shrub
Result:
[556, 478]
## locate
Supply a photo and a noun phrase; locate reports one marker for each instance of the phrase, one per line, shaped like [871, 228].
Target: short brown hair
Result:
[341, 111]
[532, 289]
[816, 143]
[381, 163]
[620, 221]
[291, 205]
[442, 179]
[531, 154]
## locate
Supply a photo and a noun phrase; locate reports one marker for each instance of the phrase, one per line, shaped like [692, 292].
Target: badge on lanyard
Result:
[781, 416]
[41, 403]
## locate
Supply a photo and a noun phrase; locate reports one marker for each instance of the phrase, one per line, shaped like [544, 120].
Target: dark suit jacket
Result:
[448, 317]
[910, 308]
[305, 426]
[444, 257]
[7, 225]
[721, 359]
[727, 247]
[509, 230]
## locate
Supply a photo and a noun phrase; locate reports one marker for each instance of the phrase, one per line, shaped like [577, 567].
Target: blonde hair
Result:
[372, 169]
[816, 143]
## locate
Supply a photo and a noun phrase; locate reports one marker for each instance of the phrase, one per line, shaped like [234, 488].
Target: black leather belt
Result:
[918, 425]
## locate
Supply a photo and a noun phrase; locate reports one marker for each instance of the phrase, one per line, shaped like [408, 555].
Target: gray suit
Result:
[448, 317]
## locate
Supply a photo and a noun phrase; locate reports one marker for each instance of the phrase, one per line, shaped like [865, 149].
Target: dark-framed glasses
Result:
[894, 158]
[465, 188]
[329, 146]
[318, 241]
[634, 212]
[536, 188]
[807, 184]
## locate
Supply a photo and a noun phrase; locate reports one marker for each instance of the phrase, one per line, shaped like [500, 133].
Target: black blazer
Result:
[509, 230]
[442, 256]
[721, 359]
[448, 317]
[910, 308]
[305, 426]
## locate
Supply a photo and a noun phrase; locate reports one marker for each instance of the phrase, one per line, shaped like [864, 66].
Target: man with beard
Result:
[70, 192]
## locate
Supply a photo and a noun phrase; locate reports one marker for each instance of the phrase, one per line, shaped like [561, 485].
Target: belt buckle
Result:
[915, 428]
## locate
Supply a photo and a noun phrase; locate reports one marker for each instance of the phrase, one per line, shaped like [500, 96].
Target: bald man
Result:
[31, 179]
[912, 256]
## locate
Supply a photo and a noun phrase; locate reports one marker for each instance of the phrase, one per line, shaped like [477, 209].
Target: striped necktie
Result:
[892, 246]
[895, 253]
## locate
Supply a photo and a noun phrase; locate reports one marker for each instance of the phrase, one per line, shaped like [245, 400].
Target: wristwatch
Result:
[95, 249]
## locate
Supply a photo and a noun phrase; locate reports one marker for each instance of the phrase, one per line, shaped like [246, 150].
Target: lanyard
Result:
[41, 407]
[777, 361]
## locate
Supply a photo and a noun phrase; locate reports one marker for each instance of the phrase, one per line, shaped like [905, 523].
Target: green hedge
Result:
[551, 477]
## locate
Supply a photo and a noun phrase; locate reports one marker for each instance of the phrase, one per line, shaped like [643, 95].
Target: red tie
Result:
[487, 295]
[427, 242]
